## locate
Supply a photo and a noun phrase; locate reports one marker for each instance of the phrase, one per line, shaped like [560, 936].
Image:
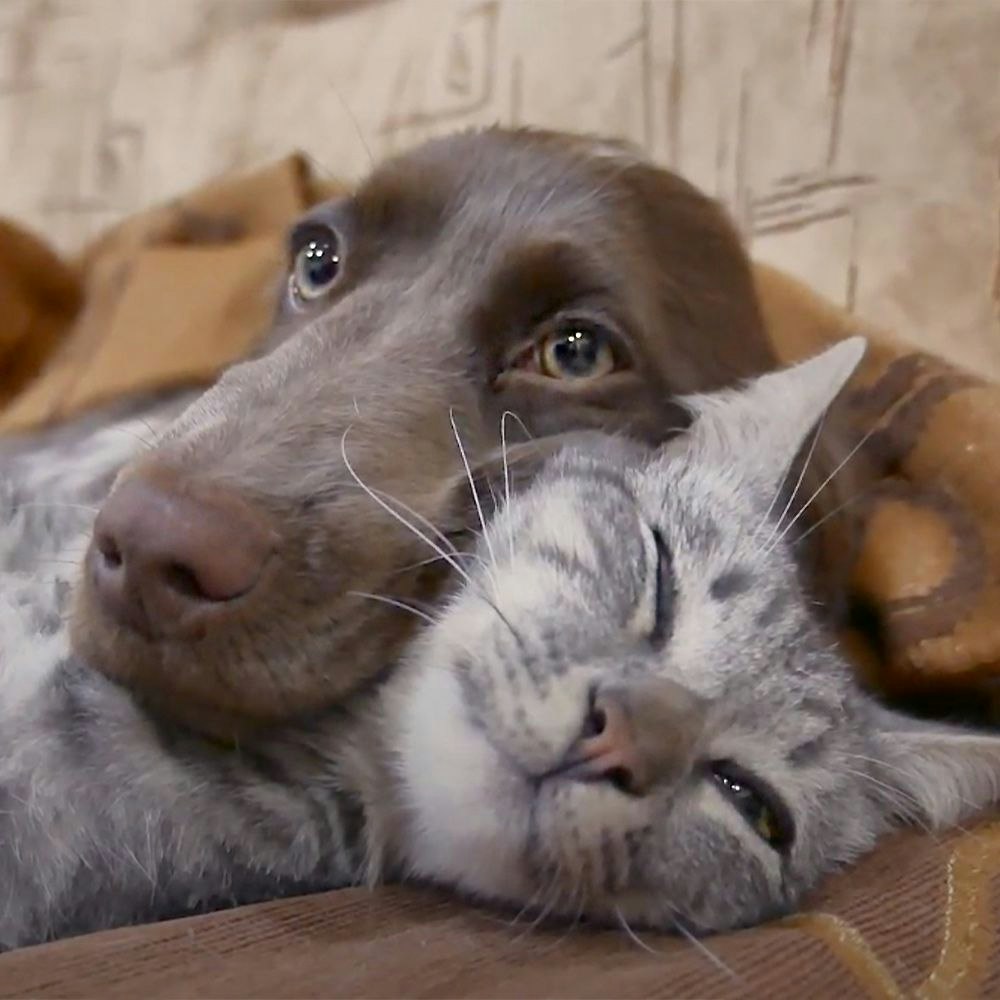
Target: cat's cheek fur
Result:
[468, 814]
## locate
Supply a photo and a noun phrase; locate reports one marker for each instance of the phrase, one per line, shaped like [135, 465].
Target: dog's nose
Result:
[166, 553]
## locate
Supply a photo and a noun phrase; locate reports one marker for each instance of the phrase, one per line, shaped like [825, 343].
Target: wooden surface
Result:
[857, 142]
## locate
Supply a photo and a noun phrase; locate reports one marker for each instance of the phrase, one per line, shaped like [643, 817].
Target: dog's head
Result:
[561, 280]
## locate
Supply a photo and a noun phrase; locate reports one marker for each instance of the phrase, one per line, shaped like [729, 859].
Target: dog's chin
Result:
[187, 682]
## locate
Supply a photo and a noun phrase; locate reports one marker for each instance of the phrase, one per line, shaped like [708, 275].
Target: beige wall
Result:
[856, 141]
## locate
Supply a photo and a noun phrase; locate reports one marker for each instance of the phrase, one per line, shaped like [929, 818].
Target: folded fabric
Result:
[173, 295]
[166, 298]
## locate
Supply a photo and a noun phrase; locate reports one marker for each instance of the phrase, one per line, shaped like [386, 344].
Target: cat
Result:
[625, 710]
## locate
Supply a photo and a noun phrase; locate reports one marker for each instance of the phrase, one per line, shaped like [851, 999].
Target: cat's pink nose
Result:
[168, 556]
[636, 734]
[609, 748]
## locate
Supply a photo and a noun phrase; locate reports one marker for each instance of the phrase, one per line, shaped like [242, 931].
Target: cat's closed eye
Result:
[759, 805]
[665, 592]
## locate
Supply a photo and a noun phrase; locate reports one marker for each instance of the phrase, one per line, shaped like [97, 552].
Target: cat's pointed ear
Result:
[760, 427]
[932, 772]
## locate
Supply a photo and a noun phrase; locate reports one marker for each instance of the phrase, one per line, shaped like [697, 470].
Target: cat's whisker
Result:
[118, 428]
[393, 602]
[580, 895]
[822, 486]
[633, 937]
[526, 908]
[899, 796]
[551, 890]
[703, 948]
[472, 487]
[154, 435]
[862, 494]
[798, 484]
[903, 772]
[513, 631]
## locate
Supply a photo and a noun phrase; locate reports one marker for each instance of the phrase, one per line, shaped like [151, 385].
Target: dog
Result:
[492, 288]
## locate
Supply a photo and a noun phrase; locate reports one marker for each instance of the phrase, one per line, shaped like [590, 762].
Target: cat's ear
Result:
[761, 427]
[933, 772]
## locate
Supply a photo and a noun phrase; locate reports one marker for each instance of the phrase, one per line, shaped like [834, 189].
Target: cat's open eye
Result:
[757, 803]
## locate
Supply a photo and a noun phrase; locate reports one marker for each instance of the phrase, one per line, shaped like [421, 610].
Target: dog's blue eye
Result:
[317, 261]
[576, 351]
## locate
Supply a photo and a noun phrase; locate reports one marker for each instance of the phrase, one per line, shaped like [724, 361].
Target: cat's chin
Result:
[468, 811]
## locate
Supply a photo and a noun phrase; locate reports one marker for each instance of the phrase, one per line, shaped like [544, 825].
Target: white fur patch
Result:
[468, 810]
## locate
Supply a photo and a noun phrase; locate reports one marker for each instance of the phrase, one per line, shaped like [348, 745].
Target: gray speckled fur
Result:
[107, 817]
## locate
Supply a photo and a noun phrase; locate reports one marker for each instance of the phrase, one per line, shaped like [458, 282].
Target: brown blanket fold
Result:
[173, 295]
[166, 298]
[915, 919]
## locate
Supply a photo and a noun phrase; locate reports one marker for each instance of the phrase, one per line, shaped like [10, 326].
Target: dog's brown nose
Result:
[166, 554]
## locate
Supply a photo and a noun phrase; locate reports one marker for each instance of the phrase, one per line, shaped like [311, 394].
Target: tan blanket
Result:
[173, 295]
[916, 919]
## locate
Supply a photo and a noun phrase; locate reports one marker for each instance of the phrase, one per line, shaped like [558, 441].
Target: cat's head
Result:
[629, 710]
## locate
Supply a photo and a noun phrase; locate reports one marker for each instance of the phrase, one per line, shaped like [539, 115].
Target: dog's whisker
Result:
[472, 487]
[393, 602]
[431, 560]
[521, 424]
[433, 528]
[402, 520]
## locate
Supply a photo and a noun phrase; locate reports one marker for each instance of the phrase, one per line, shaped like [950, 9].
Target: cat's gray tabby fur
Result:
[654, 584]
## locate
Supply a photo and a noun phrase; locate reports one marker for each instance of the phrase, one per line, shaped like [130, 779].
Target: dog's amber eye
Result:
[317, 261]
[576, 351]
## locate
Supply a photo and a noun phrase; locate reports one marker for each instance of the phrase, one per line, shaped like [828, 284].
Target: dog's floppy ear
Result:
[488, 483]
